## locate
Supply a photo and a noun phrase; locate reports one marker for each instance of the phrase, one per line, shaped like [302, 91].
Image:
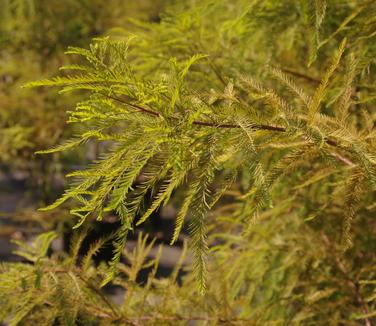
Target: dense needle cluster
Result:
[256, 118]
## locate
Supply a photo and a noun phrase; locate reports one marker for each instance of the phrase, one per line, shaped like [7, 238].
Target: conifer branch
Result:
[230, 126]
[198, 123]
[164, 109]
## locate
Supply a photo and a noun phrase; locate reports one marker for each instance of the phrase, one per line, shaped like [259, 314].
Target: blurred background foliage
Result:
[33, 38]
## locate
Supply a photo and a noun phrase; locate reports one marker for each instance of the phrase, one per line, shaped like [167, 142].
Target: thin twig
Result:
[300, 75]
[255, 126]
[343, 159]
[189, 318]
[313, 79]
[231, 126]
[140, 108]
[198, 123]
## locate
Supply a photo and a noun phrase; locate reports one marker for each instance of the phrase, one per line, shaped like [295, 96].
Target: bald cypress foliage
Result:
[254, 118]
